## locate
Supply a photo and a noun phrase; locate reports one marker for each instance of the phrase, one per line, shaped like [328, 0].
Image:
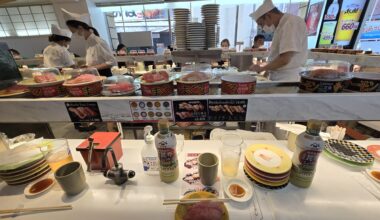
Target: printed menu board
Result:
[210, 110]
[83, 111]
[190, 110]
[227, 109]
[191, 181]
[151, 111]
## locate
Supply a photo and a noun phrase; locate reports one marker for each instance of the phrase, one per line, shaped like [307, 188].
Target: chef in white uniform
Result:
[288, 53]
[56, 54]
[98, 54]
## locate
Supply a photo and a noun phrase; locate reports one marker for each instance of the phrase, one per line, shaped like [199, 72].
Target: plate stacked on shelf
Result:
[348, 153]
[210, 13]
[196, 36]
[267, 166]
[181, 18]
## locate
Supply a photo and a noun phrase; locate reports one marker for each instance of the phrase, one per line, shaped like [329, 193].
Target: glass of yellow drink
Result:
[230, 154]
[58, 154]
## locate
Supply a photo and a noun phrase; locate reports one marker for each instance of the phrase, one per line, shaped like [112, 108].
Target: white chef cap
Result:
[61, 32]
[266, 7]
[85, 18]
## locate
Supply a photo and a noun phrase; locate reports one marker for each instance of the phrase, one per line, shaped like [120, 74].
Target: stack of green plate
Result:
[22, 165]
[348, 153]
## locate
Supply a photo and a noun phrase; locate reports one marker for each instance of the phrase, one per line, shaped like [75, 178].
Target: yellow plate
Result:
[274, 184]
[268, 158]
[181, 210]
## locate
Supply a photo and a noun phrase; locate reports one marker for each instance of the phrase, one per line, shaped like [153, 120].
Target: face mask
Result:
[79, 32]
[269, 29]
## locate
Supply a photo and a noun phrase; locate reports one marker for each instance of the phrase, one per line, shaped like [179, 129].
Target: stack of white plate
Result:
[210, 13]
[181, 18]
[196, 36]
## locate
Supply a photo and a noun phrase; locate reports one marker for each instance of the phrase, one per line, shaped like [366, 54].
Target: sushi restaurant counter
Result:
[337, 192]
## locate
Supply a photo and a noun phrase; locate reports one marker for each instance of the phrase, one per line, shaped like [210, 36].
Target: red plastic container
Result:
[48, 91]
[157, 89]
[102, 140]
[83, 82]
[238, 85]
[91, 89]
[43, 82]
[196, 88]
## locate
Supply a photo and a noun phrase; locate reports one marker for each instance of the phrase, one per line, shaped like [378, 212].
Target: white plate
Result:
[246, 186]
[370, 175]
[27, 188]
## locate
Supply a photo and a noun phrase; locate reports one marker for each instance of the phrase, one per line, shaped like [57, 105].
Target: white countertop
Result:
[334, 194]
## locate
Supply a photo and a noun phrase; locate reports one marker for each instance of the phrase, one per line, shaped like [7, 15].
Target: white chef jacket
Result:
[56, 55]
[289, 36]
[98, 52]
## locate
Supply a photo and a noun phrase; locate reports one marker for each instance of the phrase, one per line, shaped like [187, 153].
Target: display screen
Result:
[349, 21]
[370, 35]
[8, 66]
[313, 18]
[341, 22]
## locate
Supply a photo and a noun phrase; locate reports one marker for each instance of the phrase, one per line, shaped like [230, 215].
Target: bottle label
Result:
[150, 163]
[168, 159]
[167, 155]
[308, 159]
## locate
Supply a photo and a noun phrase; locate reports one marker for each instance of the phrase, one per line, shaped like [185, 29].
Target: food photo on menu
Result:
[227, 110]
[83, 111]
[190, 110]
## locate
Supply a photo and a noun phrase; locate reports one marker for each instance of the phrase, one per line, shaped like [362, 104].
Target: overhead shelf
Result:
[260, 107]
[212, 55]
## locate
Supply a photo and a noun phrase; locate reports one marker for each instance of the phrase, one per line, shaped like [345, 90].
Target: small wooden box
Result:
[102, 140]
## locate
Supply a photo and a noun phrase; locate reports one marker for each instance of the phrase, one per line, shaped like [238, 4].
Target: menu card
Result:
[227, 109]
[151, 111]
[190, 110]
[191, 182]
[83, 111]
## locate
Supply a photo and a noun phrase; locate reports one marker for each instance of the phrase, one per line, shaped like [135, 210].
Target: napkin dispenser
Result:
[93, 149]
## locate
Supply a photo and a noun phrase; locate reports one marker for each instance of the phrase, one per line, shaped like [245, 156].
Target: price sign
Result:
[349, 25]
